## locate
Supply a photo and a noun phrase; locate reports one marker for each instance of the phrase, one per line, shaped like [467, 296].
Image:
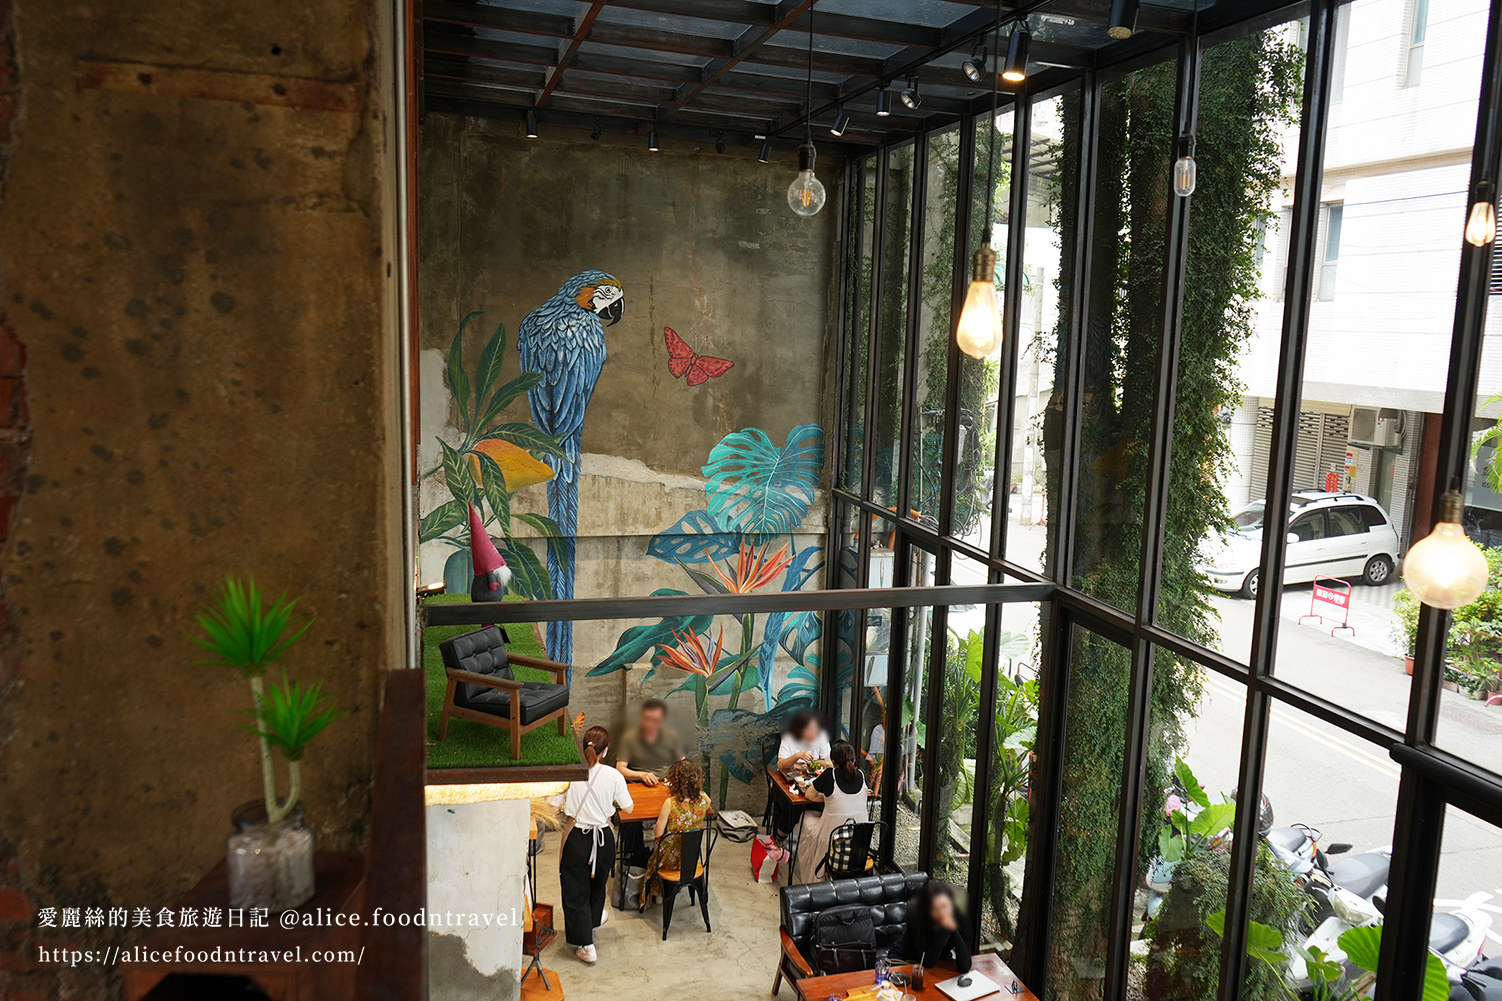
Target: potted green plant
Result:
[269, 855]
[1406, 630]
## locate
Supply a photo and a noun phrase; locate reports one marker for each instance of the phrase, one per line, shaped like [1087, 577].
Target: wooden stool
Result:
[533, 988]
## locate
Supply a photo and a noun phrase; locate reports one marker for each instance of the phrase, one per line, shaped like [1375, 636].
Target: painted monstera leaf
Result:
[639, 642]
[694, 538]
[756, 487]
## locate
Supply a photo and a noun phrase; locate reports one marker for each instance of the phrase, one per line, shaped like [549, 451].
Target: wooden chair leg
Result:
[443, 717]
[516, 740]
[562, 726]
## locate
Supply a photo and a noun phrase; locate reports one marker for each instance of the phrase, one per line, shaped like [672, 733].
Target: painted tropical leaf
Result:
[507, 395]
[494, 489]
[733, 736]
[439, 520]
[719, 683]
[710, 584]
[802, 684]
[489, 366]
[640, 641]
[797, 574]
[525, 436]
[458, 572]
[518, 467]
[458, 377]
[529, 578]
[456, 474]
[754, 486]
[545, 526]
[694, 538]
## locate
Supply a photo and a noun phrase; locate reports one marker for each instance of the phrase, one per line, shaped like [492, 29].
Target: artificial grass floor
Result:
[475, 745]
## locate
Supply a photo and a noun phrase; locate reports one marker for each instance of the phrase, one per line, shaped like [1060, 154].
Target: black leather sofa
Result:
[887, 896]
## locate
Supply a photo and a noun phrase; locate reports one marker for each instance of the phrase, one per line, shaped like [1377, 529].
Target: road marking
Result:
[1287, 717]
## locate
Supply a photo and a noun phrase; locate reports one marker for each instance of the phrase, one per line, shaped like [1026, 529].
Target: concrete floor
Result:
[737, 960]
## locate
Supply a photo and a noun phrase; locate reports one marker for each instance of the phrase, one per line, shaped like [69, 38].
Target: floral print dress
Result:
[681, 817]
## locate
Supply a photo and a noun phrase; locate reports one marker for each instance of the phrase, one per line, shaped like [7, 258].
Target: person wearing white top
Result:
[585, 860]
[804, 741]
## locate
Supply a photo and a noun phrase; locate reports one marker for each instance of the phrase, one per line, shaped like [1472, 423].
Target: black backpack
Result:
[844, 939]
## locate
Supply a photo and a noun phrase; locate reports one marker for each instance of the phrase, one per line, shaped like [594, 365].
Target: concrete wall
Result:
[197, 248]
[477, 858]
[701, 242]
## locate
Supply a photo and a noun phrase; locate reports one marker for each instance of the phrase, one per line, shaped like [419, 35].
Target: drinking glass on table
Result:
[883, 971]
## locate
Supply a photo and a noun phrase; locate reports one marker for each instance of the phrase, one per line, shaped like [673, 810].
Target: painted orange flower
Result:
[754, 570]
[690, 655]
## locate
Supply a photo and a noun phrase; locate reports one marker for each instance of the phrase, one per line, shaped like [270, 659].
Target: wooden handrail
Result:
[394, 966]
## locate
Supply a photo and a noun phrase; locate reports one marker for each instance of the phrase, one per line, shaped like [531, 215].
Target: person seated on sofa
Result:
[936, 930]
[646, 753]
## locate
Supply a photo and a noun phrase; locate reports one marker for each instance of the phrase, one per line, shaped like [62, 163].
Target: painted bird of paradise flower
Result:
[753, 570]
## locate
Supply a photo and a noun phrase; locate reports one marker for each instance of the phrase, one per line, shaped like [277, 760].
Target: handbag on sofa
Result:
[844, 939]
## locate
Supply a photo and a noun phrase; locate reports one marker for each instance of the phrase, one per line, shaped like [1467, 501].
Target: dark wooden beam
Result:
[581, 31]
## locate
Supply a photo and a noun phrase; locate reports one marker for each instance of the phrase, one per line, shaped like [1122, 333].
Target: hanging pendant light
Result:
[806, 194]
[1481, 224]
[1185, 170]
[1014, 70]
[1445, 569]
[979, 330]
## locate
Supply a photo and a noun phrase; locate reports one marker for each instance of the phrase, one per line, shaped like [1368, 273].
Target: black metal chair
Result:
[693, 857]
[850, 853]
[768, 745]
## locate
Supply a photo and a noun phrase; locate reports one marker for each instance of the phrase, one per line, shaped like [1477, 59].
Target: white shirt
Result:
[592, 803]
[819, 747]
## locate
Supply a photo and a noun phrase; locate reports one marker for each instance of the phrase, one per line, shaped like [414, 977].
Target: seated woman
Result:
[804, 741]
[936, 930]
[842, 789]
[684, 810]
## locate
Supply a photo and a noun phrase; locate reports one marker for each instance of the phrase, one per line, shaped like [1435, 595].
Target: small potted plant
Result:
[1405, 606]
[270, 854]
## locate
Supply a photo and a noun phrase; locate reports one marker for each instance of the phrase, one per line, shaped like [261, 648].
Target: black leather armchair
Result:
[886, 895]
[483, 688]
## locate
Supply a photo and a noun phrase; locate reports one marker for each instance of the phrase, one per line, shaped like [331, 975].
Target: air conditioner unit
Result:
[1377, 427]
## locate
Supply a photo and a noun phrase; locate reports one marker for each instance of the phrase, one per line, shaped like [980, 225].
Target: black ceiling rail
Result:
[658, 606]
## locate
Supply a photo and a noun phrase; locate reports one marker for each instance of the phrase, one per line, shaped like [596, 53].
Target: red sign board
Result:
[1330, 596]
[1334, 594]
[1332, 482]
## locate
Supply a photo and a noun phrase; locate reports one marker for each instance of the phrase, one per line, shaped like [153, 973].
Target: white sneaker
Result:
[604, 916]
[586, 954]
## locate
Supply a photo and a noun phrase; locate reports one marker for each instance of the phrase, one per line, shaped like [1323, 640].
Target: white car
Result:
[1329, 535]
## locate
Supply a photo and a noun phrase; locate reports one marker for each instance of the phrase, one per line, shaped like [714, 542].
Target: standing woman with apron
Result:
[588, 851]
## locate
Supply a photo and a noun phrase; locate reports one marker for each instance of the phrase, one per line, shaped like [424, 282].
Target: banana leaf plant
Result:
[495, 458]
[240, 630]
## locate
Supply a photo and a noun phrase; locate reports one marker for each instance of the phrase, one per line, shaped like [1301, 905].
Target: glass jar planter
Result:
[271, 870]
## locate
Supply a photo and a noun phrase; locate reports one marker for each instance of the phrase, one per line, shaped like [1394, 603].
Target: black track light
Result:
[1123, 20]
[974, 68]
[531, 125]
[1015, 69]
[910, 98]
[765, 153]
[719, 142]
[883, 102]
[841, 122]
[596, 132]
[652, 141]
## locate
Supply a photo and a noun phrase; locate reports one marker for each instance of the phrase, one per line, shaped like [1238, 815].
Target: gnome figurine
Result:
[491, 572]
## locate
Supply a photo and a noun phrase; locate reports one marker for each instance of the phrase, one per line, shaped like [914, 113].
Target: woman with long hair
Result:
[843, 791]
[684, 810]
[936, 930]
[588, 850]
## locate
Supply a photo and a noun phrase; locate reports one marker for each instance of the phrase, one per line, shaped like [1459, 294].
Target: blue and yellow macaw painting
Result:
[563, 340]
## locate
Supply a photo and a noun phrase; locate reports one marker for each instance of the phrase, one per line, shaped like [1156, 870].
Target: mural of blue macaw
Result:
[564, 341]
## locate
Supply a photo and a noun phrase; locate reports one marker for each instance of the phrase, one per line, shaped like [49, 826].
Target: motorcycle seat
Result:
[1362, 874]
[1289, 839]
[1446, 931]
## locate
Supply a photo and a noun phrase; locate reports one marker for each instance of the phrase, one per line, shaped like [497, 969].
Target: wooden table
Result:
[837, 985]
[338, 877]
[646, 802]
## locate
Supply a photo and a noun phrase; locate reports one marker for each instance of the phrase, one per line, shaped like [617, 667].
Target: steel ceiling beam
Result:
[581, 31]
[747, 43]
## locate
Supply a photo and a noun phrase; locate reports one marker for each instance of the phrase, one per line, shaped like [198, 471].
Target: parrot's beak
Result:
[613, 312]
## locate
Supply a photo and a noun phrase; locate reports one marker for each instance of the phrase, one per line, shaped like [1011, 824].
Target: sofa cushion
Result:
[886, 895]
[538, 699]
[480, 652]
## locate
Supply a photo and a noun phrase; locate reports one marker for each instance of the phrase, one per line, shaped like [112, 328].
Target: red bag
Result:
[766, 858]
